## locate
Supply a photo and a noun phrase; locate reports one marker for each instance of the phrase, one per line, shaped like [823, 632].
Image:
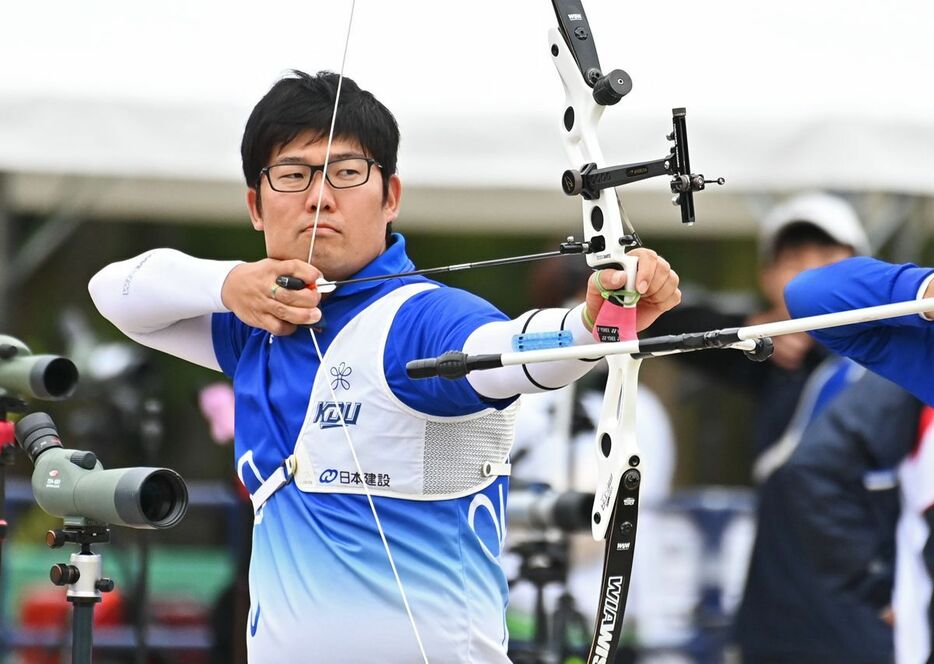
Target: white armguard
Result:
[164, 299]
[509, 381]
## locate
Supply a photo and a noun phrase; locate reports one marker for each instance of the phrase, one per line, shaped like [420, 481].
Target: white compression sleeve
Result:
[921, 291]
[164, 299]
[509, 381]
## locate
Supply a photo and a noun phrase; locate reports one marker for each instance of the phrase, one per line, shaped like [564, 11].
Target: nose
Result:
[319, 188]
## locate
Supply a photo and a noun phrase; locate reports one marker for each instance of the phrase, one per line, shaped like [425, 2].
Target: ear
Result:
[254, 206]
[393, 199]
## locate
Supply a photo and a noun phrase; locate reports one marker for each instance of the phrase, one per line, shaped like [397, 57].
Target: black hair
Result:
[299, 102]
[800, 234]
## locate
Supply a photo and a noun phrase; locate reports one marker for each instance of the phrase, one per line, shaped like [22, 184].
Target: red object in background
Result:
[48, 608]
[182, 613]
[7, 435]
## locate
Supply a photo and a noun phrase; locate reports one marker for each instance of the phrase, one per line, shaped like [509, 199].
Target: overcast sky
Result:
[461, 73]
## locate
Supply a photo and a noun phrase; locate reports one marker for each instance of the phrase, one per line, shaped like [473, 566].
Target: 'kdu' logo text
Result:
[329, 413]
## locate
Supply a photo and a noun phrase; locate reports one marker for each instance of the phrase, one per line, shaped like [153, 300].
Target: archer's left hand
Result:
[656, 282]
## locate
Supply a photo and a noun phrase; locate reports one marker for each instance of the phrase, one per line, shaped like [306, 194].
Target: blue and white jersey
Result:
[320, 582]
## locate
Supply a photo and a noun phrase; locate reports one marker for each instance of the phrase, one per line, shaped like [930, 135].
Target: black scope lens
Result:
[57, 377]
[571, 511]
[163, 498]
[36, 433]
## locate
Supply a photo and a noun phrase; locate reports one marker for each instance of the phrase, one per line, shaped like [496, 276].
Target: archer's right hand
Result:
[251, 293]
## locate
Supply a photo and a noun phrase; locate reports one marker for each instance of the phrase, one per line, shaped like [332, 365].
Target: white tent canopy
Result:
[143, 104]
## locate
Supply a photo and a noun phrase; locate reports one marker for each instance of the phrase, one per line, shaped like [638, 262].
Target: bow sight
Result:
[608, 89]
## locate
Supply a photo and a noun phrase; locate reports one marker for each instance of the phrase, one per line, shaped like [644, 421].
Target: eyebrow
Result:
[334, 157]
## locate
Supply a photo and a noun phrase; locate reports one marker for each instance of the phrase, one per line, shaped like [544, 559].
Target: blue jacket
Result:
[855, 445]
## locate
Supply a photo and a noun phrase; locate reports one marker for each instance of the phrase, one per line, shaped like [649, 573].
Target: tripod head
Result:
[82, 574]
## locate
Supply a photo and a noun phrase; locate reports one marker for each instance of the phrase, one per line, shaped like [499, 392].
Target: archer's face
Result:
[351, 223]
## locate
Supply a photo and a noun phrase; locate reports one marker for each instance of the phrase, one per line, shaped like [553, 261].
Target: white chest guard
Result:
[403, 453]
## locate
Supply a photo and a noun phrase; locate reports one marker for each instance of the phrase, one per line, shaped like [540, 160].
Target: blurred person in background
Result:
[902, 350]
[555, 448]
[787, 616]
[840, 482]
[319, 565]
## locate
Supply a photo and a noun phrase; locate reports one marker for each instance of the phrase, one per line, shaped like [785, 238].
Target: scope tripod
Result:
[82, 575]
[545, 562]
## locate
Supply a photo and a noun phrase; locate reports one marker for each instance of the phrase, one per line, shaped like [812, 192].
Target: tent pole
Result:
[6, 256]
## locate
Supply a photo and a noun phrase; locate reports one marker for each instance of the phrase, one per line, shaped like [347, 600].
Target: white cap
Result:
[831, 214]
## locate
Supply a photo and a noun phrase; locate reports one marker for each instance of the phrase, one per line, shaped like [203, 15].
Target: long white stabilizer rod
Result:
[454, 365]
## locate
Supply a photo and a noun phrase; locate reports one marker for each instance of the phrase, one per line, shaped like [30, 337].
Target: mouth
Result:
[323, 228]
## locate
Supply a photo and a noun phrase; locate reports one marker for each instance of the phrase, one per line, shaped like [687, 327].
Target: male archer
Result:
[433, 453]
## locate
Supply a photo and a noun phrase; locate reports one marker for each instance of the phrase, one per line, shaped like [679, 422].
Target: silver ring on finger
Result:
[273, 291]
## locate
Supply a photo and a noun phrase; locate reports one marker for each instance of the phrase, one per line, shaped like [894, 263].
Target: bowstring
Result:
[314, 340]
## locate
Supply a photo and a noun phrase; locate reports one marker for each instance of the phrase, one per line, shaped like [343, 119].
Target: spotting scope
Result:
[538, 507]
[25, 375]
[73, 485]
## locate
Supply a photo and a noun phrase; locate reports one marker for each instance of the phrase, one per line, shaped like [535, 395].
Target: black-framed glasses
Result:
[341, 174]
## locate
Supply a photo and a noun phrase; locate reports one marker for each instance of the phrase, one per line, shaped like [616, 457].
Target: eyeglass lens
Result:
[342, 174]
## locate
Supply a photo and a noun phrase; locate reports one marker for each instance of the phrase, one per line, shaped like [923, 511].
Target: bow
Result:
[588, 91]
